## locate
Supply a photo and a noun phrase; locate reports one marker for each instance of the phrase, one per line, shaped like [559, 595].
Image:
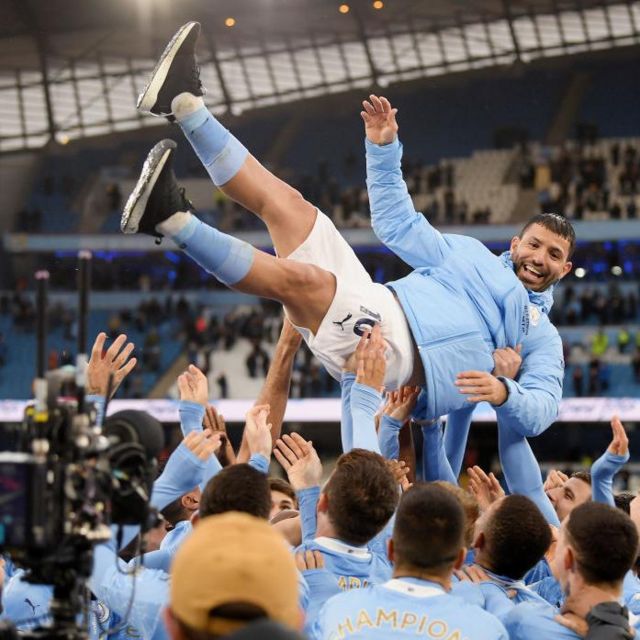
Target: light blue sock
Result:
[220, 254]
[221, 153]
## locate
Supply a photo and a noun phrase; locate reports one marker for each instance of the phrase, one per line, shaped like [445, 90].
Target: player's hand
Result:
[309, 560]
[574, 622]
[400, 471]
[401, 403]
[203, 444]
[371, 361]
[300, 460]
[554, 480]
[379, 117]
[485, 488]
[620, 442]
[482, 387]
[116, 361]
[472, 573]
[507, 362]
[194, 386]
[257, 431]
[214, 421]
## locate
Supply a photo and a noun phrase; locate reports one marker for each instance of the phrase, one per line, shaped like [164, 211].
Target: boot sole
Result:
[149, 97]
[137, 202]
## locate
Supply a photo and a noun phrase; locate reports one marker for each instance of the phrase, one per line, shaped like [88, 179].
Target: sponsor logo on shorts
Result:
[373, 314]
[340, 323]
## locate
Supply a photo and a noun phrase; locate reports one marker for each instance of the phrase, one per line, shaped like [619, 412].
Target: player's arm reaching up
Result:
[393, 217]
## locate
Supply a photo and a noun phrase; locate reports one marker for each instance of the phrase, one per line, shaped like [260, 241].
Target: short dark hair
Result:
[278, 484]
[175, 512]
[429, 528]
[517, 536]
[555, 223]
[605, 540]
[585, 476]
[623, 501]
[363, 495]
[238, 487]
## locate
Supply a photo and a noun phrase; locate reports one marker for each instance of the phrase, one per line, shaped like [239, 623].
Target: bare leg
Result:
[304, 289]
[288, 216]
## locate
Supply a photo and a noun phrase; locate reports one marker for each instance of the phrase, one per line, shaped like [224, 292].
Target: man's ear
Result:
[479, 541]
[462, 554]
[515, 241]
[173, 628]
[390, 550]
[566, 269]
[569, 559]
[323, 503]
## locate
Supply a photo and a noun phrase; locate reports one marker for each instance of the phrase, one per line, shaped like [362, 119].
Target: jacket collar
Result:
[542, 299]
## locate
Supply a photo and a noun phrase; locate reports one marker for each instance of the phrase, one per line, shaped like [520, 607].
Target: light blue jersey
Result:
[404, 608]
[27, 606]
[532, 621]
[353, 567]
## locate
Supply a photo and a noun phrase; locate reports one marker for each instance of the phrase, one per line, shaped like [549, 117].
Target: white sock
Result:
[174, 224]
[184, 104]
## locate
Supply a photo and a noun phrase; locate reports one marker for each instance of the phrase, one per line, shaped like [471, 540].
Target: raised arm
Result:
[393, 217]
[609, 463]
[275, 390]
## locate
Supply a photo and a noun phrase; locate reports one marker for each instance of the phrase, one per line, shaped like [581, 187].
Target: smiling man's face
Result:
[540, 257]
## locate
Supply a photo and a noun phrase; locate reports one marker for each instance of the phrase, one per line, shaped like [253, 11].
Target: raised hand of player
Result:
[574, 622]
[620, 442]
[482, 386]
[257, 431]
[309, 560]
[485, 488]
[554, 480]
[400, 471]
[194, 386]
[400, 403]
[300, 460]
[203, 444]
[116, 361]
[214, 421]
[371, 361]
[507, 362]
[379, 117]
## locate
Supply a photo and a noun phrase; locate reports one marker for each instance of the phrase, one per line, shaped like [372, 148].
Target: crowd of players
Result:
[381, 549]
[376, 547]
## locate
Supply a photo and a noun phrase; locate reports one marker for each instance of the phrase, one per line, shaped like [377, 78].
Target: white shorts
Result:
[358, 302]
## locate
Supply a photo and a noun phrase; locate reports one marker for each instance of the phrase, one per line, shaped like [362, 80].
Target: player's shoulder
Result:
[534, 620]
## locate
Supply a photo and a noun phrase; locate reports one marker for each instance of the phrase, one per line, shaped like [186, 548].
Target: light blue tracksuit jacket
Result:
[462, 302]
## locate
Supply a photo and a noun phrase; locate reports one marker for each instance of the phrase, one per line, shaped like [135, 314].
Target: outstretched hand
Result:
[620, 442]
[371, 365]
[485, 488]
[258, 431]
[379, 117]
[116, 361]
[194, 386]
[300, 461]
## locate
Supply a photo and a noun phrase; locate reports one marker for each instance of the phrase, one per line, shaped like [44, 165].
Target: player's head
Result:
[574, 492]
[360, 496]
[247, 575]
[182, 508]
[237, 488]
[597, 545]
[428, 534]
[283, 496]
[469, 505]
[512, 535]
[541, 253]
